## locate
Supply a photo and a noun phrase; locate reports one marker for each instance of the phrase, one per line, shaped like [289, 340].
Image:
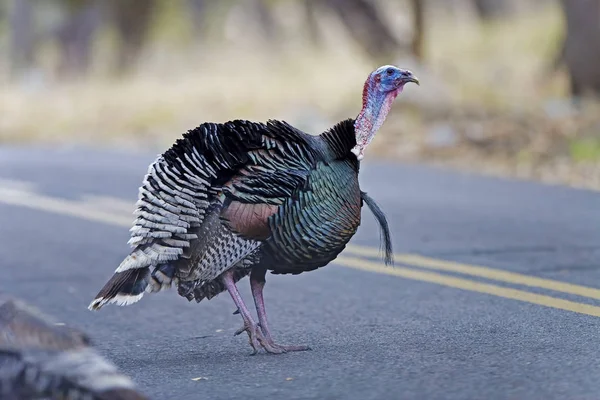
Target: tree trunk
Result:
[491, 9]
[198, 13]
[76, 36]
[365, 26]
[22, 36]
[132, 20]
[311, 13]
[417, 45]
[265, 19]
[581, 48]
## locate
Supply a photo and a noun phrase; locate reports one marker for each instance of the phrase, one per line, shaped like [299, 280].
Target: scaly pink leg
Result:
[255, 336]
[257, 283]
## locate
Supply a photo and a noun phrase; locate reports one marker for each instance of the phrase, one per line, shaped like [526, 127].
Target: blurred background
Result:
[508, 87]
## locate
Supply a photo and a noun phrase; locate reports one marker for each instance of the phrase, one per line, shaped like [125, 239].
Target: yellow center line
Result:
[470, 285]
[61, 206]
[482, 272]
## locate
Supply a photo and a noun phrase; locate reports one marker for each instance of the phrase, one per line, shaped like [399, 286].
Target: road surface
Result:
[493, 295]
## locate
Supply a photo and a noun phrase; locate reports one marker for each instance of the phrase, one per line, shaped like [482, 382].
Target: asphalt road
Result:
[433, 330]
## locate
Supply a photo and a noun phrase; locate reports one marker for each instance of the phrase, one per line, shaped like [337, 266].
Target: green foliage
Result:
[585, 149]
[171, 22]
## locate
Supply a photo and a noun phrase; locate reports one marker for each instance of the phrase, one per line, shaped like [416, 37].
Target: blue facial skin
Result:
[391, 78]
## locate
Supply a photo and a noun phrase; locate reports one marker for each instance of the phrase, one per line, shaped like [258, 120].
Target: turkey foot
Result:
[257, 283]
[255, 334]
[256, 338]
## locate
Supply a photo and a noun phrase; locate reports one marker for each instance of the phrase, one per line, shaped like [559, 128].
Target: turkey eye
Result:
[389, 71]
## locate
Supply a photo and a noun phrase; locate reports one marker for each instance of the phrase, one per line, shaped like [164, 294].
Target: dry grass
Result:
[488, 84]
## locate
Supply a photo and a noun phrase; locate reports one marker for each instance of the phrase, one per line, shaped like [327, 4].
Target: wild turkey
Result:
[42, 360]
[239, 198]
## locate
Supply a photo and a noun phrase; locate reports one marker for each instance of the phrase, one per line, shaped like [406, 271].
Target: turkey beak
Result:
[409, 77]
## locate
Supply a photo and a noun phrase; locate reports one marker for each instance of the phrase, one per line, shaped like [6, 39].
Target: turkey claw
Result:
[257, 340]
[239, 331]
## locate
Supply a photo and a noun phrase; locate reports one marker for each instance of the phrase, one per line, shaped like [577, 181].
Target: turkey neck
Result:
[375, 108]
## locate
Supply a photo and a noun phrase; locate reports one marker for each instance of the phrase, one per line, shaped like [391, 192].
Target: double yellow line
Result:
[118, 212]
[408, 260]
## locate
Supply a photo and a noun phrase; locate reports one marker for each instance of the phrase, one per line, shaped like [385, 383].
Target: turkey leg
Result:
[257, 283]
[255, 336]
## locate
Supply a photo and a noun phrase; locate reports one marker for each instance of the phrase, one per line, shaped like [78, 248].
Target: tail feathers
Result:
[386, 238]
[123, 288]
